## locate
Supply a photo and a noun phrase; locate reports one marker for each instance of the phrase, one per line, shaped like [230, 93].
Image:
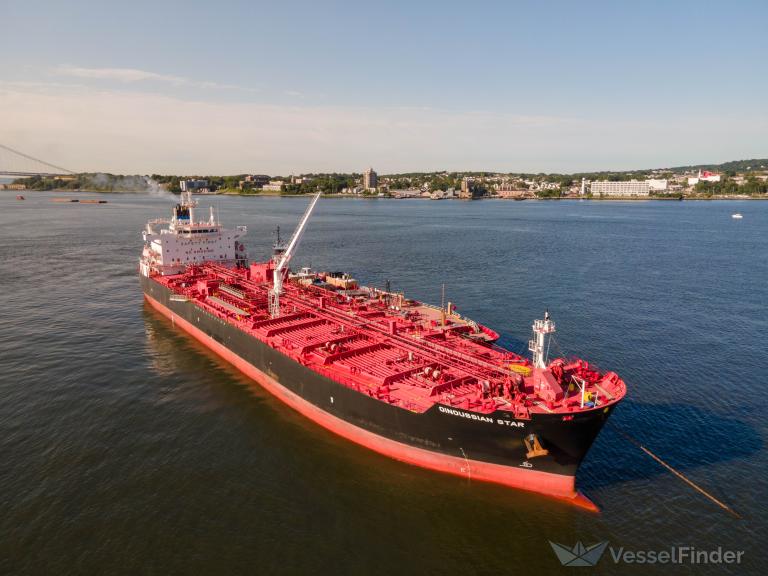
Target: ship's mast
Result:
[541, 329]
[285, 257]
[186, 201]
[184, 212]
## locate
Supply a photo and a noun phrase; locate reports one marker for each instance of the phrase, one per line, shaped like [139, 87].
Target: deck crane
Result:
[283, 257]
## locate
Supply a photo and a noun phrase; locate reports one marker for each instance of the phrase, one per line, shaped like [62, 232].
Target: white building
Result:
[704, 176]
[620, 189]
[657, 184]
[273, 186]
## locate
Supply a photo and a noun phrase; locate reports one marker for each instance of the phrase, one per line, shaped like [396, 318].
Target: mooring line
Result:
[680, 475]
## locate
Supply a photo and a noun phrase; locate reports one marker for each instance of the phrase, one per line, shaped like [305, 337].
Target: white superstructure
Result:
[183, 241]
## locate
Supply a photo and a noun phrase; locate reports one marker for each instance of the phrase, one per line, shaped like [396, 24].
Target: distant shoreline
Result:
[356, 197]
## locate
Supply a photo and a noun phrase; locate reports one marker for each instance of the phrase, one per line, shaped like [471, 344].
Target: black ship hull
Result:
[490, 447]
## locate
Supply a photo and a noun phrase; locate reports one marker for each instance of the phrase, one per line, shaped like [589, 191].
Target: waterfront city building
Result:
[370, 179]
[630, 188]
[657, 184]
[704, 176]
[189, 185]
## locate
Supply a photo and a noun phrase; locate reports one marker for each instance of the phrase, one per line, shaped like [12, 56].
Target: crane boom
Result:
[285, 258]
[296, 238]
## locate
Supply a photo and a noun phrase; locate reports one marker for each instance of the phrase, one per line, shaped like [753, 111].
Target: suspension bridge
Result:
[16, 163]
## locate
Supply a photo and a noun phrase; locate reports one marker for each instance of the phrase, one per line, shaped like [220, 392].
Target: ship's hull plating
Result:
[445, 438]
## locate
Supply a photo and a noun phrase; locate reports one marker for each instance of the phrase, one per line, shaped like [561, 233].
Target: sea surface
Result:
[127, 448]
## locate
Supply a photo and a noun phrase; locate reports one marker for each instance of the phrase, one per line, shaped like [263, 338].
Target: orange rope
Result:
[682, 477]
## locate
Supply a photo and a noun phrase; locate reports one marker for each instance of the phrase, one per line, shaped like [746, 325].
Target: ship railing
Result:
[468, 321]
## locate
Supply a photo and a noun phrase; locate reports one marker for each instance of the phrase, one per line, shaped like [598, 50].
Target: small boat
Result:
[19, 197]
[737, 216]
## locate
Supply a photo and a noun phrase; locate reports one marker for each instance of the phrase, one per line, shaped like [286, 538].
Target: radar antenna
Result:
[285, 258]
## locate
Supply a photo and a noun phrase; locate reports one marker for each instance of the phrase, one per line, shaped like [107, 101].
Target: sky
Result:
[290, 87]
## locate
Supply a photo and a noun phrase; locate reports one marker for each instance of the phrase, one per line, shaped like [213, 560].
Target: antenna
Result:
[285, 258]
[277, 246]
[442, 305]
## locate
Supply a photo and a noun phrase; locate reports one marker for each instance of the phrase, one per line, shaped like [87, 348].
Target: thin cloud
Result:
[126, 75]
[134, 75]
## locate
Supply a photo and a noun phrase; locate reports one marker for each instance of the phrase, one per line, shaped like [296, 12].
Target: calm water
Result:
[127, 448]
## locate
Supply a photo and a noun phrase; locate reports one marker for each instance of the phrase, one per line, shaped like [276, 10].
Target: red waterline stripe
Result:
[554, 485]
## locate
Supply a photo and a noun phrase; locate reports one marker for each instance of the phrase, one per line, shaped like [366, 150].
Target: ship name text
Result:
[481, 418]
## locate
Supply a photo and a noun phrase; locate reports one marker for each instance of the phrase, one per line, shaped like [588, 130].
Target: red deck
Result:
[399, 351]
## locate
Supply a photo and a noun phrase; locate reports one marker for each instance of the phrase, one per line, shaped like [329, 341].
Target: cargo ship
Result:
[419, 383]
